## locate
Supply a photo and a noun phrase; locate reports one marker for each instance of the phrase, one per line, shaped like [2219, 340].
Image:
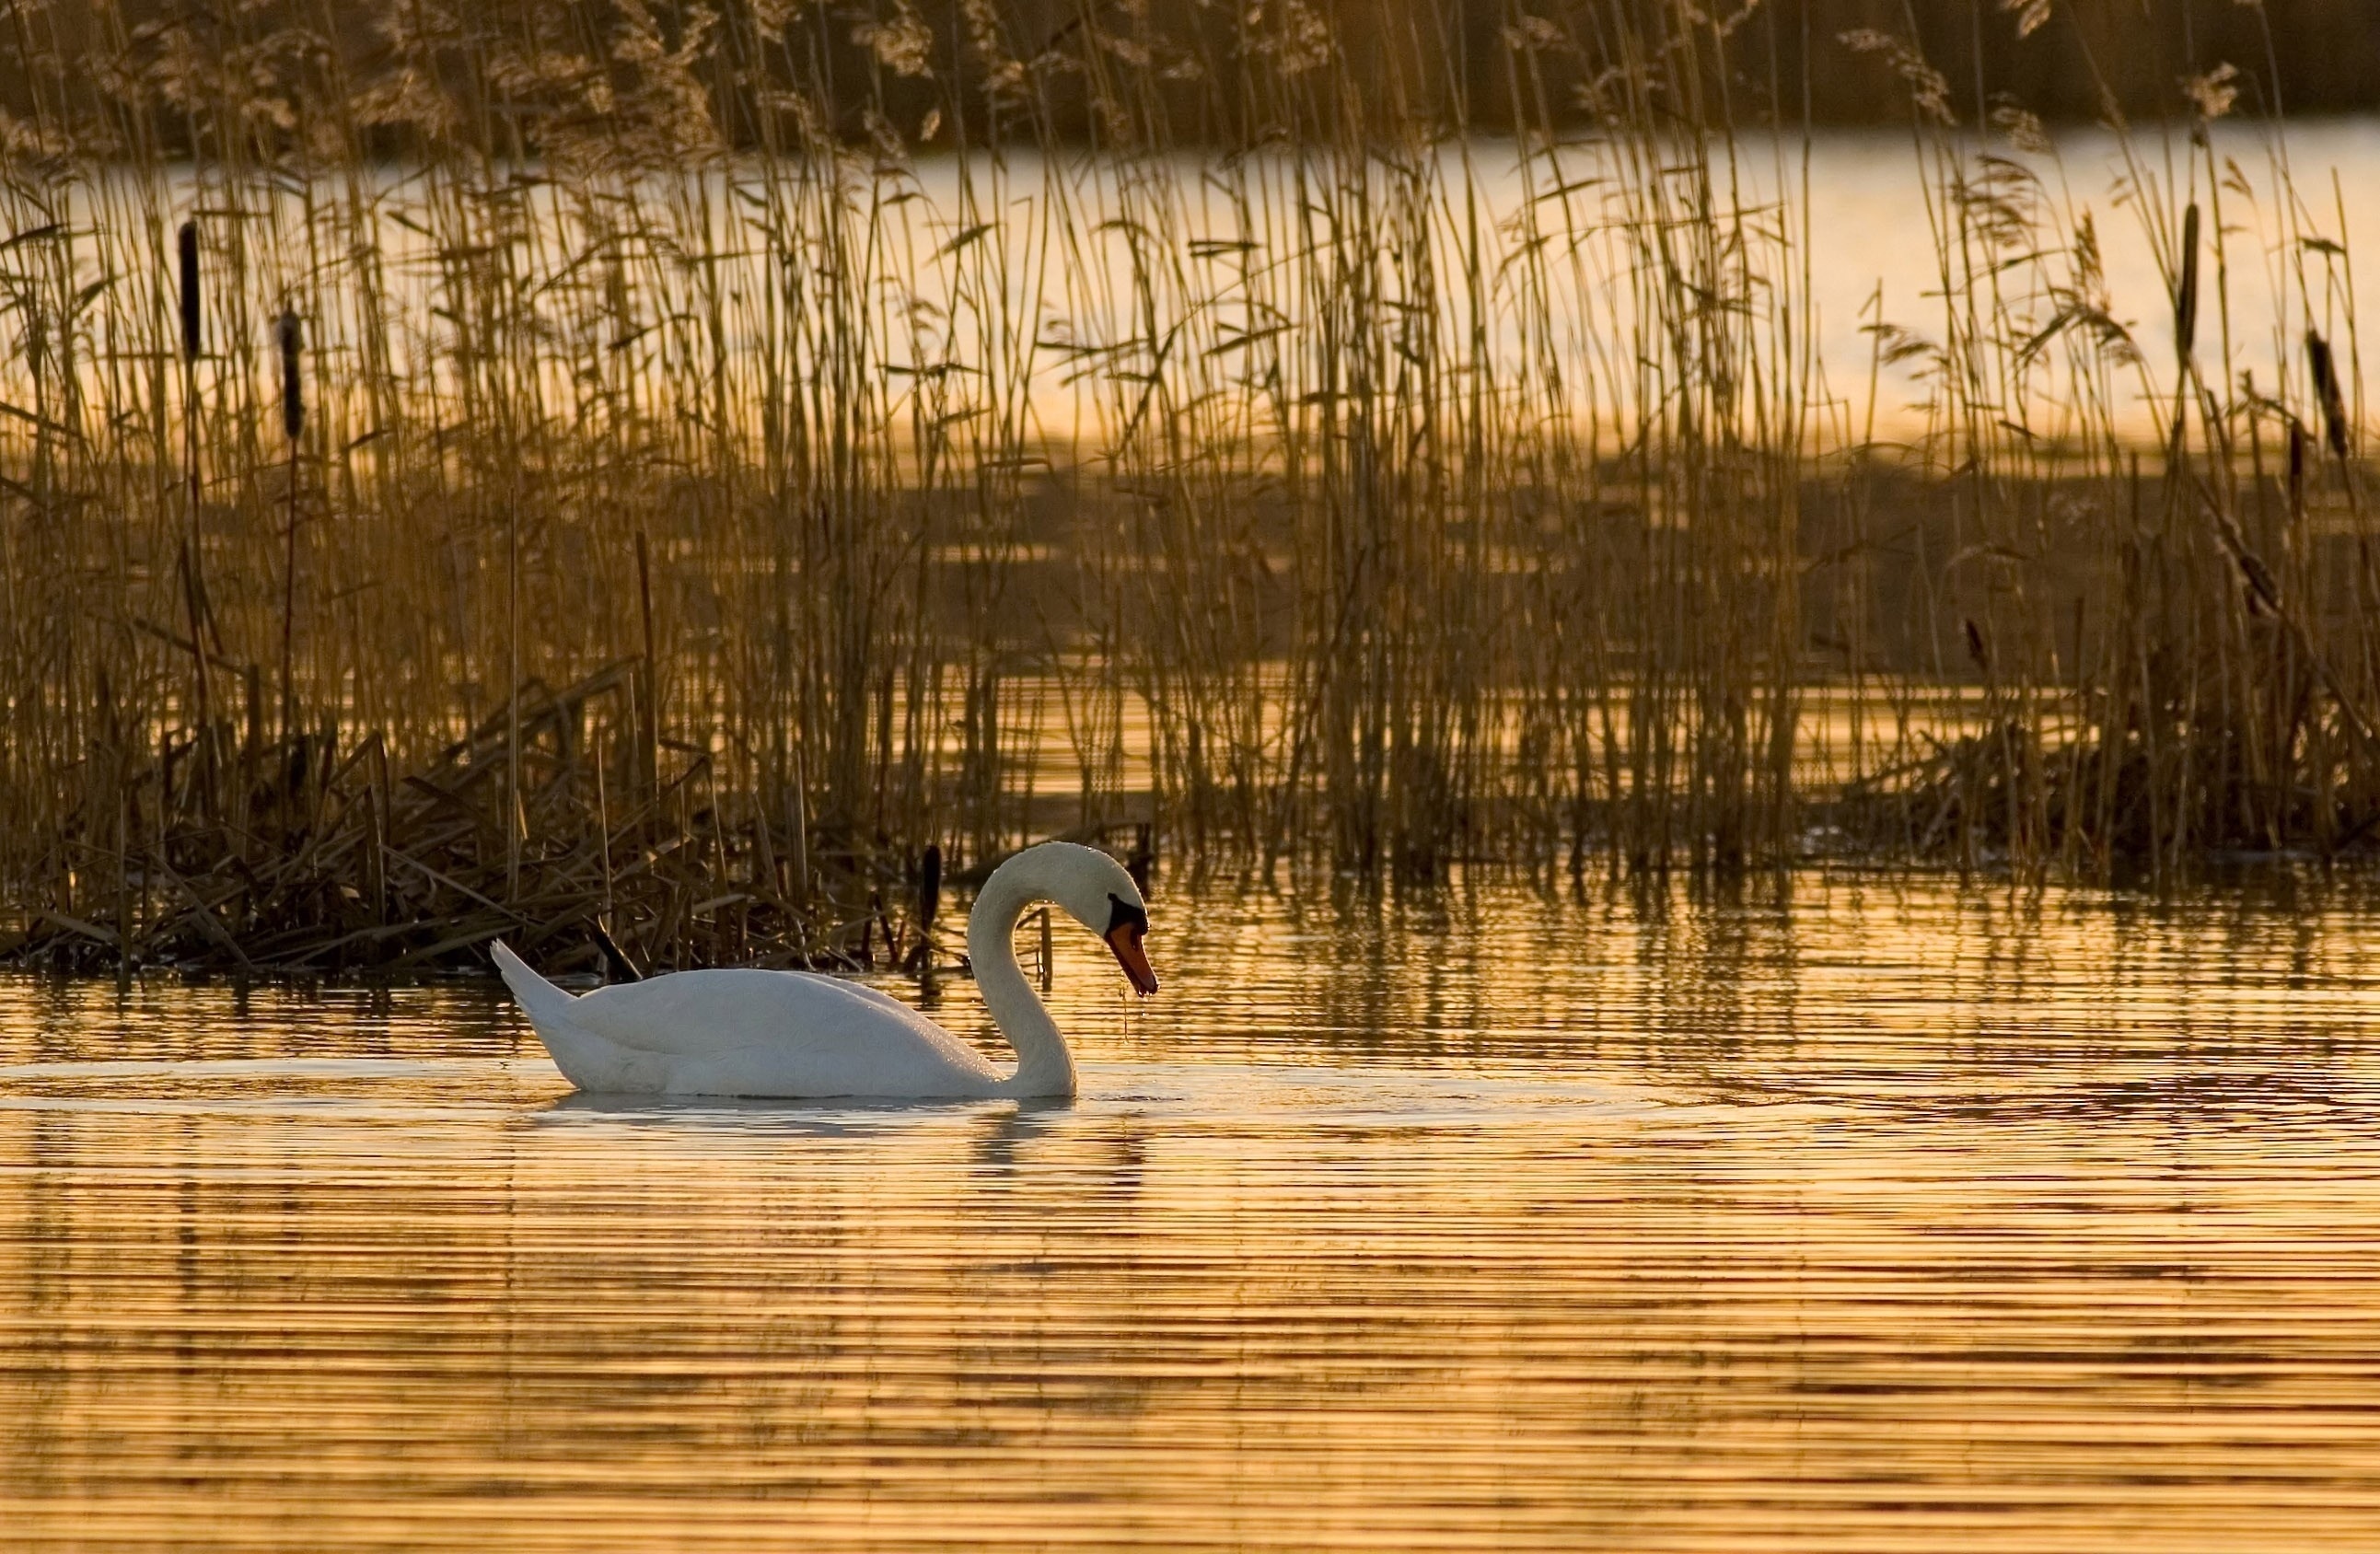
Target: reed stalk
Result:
[1314, 439]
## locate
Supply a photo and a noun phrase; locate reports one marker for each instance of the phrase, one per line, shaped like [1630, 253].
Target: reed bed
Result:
[634, 477]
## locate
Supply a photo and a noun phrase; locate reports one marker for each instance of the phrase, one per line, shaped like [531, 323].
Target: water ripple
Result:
[1863, 1217]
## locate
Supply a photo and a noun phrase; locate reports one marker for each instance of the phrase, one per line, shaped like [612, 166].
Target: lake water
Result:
[1842, 1214]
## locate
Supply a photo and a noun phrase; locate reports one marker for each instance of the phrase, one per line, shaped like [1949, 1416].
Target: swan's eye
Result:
[1123, 914]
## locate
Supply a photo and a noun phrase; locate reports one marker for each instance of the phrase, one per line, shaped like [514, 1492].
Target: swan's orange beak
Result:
[1125, 939]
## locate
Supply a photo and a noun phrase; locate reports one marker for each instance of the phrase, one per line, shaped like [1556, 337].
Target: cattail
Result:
[293, 421]
[2325, 389]
[2263, 590]
[191, 342]
[2185, 300]
[293, 387]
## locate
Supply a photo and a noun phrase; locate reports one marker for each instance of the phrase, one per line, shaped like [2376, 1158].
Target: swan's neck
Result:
[1044, 1067]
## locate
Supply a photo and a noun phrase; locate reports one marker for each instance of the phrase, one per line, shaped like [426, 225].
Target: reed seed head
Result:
[2327, 392]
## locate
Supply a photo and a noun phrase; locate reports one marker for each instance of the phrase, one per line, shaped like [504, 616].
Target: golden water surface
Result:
[1838, 1215]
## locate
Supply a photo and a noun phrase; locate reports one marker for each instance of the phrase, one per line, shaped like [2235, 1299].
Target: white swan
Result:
[788, 1032]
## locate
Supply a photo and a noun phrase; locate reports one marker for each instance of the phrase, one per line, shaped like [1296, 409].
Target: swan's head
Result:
[1094, 889]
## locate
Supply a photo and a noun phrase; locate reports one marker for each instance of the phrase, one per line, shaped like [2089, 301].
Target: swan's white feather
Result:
[752, 1033]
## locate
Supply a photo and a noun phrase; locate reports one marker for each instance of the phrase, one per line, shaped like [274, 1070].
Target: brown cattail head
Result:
[190, 253]
[2297, 465]
[2185, 298]
[2263, 590]
[293, 387]
[2325, 390]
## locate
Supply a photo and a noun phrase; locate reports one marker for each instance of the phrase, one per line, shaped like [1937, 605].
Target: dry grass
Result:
[861, 465]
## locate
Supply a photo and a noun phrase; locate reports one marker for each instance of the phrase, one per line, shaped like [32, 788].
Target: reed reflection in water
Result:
[1839, 1216]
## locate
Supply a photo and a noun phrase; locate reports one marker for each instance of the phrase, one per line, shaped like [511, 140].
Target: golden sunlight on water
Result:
[1861, 1216]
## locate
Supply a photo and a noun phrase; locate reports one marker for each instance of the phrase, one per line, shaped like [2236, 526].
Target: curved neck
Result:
[1044, 1067]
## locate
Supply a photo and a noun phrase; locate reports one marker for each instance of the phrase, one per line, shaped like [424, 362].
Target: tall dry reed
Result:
[734, 448]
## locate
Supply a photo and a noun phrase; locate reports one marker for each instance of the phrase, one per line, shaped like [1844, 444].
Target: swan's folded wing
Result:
[774, 1032]
[707, 1011]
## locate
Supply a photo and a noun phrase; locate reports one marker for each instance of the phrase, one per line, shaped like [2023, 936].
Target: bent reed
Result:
[631, 478]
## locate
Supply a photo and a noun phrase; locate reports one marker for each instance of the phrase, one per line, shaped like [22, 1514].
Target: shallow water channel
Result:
[1837, 1215]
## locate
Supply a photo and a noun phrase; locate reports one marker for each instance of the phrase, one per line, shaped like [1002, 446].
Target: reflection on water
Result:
[1847, 1215]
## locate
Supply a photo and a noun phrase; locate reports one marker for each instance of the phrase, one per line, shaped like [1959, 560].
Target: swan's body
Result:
[791, 1034]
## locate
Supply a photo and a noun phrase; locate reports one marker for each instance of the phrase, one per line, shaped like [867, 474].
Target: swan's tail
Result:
[585, 1059]
[546, 1005]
